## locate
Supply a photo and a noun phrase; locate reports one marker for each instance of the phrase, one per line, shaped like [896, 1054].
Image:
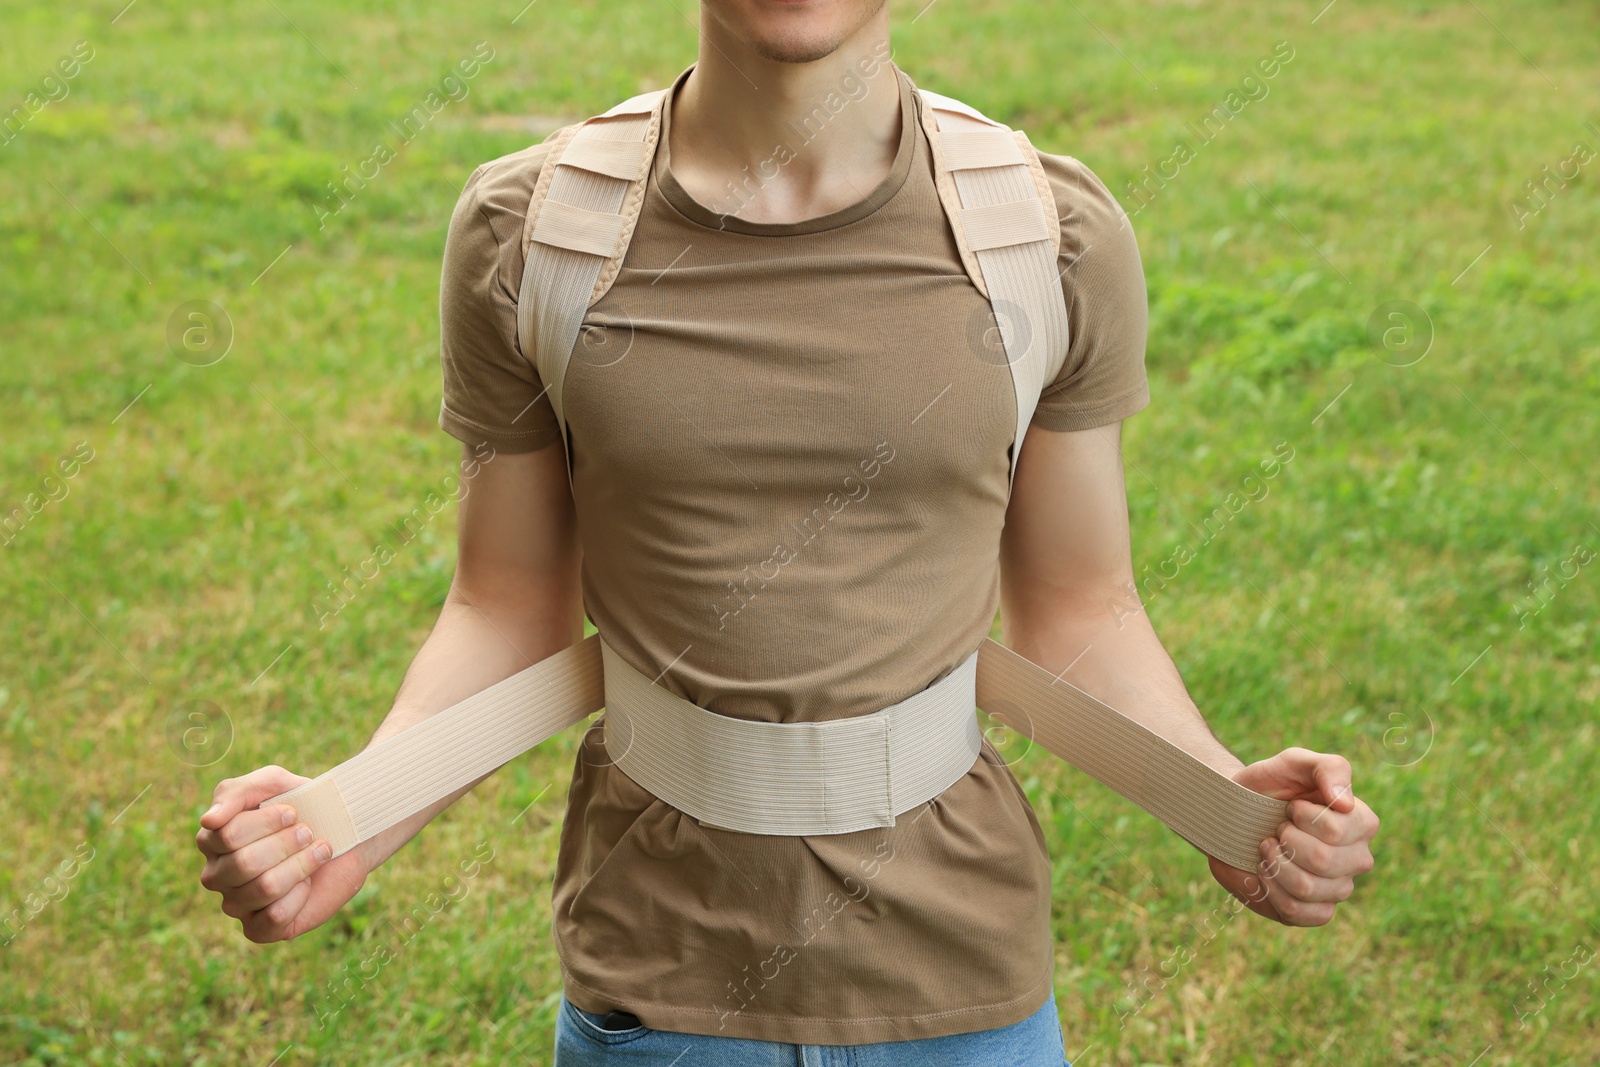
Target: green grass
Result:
[1367, 605]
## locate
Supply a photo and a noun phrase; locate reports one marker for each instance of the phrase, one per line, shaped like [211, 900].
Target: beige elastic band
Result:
[404, 773]
[792, 779]
[583, 219]
[1211, 811]
[412, 769]
[999, 222]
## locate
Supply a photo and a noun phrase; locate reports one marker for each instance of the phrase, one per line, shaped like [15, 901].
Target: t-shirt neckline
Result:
[698, 213]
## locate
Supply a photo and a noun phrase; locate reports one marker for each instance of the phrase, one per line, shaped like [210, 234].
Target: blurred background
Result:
[220, 386]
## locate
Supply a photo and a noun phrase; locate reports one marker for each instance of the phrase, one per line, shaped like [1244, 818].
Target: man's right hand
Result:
[273, 875]
[516, 598]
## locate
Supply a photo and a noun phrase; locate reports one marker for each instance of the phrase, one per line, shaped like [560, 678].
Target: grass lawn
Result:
[1347, 263]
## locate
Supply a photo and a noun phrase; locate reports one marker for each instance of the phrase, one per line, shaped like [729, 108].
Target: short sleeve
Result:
[1103, 376]
[490, 392]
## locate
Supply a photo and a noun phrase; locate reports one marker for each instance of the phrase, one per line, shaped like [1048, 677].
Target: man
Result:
[790, 438]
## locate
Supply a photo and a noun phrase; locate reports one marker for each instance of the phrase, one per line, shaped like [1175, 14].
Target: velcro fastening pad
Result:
[321, 806]
[615, 159]
[579, 229]
[999, 225]
[974, 149]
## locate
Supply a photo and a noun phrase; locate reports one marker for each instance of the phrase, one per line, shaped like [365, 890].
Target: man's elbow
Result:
[1046, 604]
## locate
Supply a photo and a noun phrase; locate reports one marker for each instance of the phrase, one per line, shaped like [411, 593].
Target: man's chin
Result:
[792, 33]
[790, 50]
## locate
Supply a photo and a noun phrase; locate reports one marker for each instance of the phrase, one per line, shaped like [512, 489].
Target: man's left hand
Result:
[1319, 850]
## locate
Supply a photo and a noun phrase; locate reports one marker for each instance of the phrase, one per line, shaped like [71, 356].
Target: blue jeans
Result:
[582, 1041]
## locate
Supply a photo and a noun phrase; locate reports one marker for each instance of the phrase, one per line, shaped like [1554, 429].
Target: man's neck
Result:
[768, 141]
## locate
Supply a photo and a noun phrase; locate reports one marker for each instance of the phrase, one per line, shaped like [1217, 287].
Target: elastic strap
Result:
[1003, 232]
[411, 770]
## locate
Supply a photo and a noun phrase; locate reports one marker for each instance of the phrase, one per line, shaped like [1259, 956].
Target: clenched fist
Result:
[274, 877]
[1311, 864]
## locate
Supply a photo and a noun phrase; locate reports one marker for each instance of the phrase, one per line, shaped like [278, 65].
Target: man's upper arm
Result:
[1066, 534]
[517, 544]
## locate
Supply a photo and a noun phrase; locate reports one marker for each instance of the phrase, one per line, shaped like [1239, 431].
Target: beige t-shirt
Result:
[790, 455]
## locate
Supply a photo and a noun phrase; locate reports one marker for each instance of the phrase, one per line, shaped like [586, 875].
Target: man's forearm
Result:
[1116, 656]
[468, 651]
